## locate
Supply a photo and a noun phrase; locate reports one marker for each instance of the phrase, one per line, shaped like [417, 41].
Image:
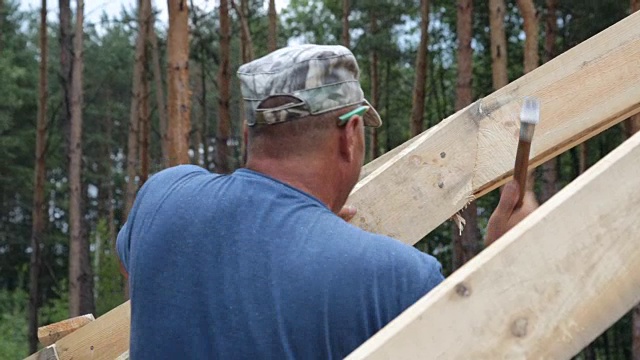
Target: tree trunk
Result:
[528, 11]
[162, 106]
[179, 94]
[374, 152]
[204, 136]
[387, 107]
[109, 209]
[39, 206]
[144, 114]
[635, 337]
[583, 157]
[224, 82]
[65, 68]
[80, 279]
[549, 173]
[346, 39]
[467, 244]
[273, 26]
[246, 42]
[145, 129]
[417, 110]
[531, 58]
[135, 112]
[246, 47]
[498, 44]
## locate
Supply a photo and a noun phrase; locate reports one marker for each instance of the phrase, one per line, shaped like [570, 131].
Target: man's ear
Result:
[349, 138]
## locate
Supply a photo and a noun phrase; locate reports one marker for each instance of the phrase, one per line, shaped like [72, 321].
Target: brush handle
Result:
[521, 167]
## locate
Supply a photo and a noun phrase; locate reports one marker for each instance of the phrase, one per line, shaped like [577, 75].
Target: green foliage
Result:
[13, 324]
[109, 283]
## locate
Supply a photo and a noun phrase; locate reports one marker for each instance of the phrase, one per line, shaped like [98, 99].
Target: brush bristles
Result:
[530, 112]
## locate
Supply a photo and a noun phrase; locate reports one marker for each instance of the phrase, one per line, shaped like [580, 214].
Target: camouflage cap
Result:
[321, 78]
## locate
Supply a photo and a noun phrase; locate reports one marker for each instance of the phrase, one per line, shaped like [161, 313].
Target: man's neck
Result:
[311, 176]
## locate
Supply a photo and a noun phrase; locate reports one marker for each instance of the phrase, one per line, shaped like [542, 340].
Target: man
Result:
[256, 264]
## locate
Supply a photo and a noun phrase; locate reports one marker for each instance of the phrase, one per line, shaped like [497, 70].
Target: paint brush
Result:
[529, 117]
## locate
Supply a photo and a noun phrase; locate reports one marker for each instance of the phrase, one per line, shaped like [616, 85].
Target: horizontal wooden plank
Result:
[582, 92]
[49, 334]
[544, 290]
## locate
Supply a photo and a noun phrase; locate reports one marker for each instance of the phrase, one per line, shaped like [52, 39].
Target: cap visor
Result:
[371, 117]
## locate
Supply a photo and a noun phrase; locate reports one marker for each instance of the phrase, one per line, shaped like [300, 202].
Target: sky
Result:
[93, 9]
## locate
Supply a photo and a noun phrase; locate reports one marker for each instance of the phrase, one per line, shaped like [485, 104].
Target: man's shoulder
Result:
[178, 172]
[379, 251]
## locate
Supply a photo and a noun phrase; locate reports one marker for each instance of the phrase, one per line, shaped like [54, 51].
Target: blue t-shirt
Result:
[243, 266]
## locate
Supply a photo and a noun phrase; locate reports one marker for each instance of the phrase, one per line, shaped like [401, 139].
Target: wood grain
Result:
[546, 289]
[105, 338]
[49, 334]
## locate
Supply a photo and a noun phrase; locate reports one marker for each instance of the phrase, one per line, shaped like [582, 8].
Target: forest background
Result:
[90, 108]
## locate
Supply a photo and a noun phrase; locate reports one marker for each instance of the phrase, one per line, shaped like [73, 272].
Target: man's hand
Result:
[347, 212]
[506, 216]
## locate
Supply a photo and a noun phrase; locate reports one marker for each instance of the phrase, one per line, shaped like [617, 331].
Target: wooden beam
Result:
[48, 353]
[49, 334]
[582, 92]
[543, 291]
[105, 338]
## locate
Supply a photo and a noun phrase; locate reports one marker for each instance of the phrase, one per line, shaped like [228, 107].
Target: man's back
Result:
[244, 266]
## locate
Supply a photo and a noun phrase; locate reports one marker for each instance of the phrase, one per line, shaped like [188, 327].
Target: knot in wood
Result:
[463, 290]
[519, 327]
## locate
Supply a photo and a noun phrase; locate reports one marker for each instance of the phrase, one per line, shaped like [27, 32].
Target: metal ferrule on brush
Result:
[526, 131]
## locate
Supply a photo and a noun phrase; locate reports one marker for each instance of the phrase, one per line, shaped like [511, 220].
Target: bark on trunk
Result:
[531, 57]
[583, 157]
[39, 207]
[417, 110]
[145, 96]
[498, 44]
[145, 130]
[204, 136]
[80, 279]
[160, 101]
[346, 39]
[224, 82]
[273, 27]
[179, 93]
[374, 152]
[65, 68]
[246, 42]
[467, 244]
[549, 170]
[529, 15]
[137, 93]
[246, 46]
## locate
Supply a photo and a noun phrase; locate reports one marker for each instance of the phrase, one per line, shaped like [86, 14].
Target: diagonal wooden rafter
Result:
[546, 289]
[584, 91]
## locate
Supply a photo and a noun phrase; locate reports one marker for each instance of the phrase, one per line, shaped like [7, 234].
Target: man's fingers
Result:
[347, 212]
[508, 198]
